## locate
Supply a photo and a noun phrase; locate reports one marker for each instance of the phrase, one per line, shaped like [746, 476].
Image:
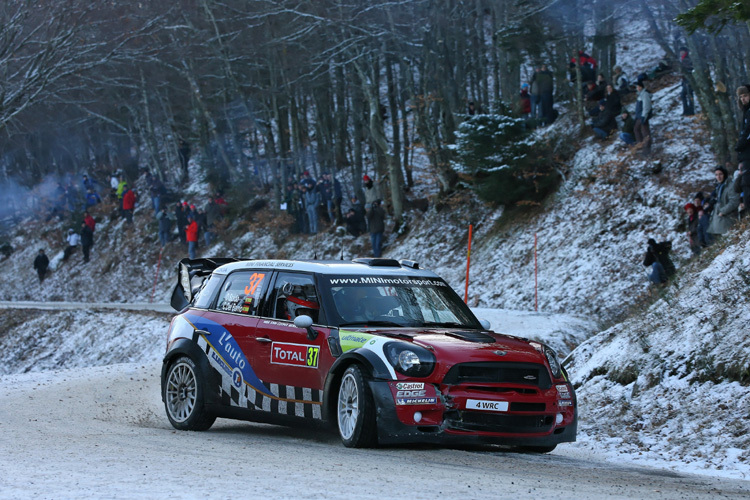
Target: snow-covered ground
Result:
[667, 387]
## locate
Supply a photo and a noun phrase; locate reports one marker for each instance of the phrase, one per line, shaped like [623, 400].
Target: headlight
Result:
[554, 363]
[409, 359]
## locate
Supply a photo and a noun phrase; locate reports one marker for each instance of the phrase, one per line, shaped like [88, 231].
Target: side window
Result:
[241, 292]
[294, 295]
[208, 292]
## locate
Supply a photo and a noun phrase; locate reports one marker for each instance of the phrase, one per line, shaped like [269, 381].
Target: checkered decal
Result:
[285, 399]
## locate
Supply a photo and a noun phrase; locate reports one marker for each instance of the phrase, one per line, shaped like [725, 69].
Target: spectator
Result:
[156, 190]
[128, 204]
[180, 215]
[723, 211]
[165, 225]
[692, 231]
[73, 239]
[184, 152]
[743, 145]
[41, 263]
[114, 182]
[307, 181]
[657, 257]
[592, 97]
[620, 81]
[87, 183]
[614, 103]
[191, 234]
[376, 225]
[742, 186]
[627, 128]
[202, 219]
[642, 116]
[89, 221]
[92, 198]
[471, 109]
[535, 100]
[605, 122]
[311, 198]
[87, 240]
[355, 218]
[686, 93]
[524, 100]
[372, 192]
[337, 197]
[704, 237]
[325, 188]
[546, 89]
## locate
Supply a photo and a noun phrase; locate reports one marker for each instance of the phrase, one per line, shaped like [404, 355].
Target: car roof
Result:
[362, 267]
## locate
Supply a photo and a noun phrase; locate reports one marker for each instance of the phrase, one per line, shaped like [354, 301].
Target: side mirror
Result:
[485, 324]
[305, 322]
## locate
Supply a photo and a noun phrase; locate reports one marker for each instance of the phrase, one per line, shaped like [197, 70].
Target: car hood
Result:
[462, 346]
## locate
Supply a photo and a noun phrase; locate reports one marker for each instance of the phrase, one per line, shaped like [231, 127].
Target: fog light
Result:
[418, 416]
[559, 418]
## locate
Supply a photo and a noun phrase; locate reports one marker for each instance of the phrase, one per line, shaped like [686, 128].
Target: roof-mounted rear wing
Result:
[190, 277]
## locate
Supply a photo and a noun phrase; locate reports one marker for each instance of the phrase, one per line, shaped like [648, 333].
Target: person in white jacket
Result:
[73, 239]
[643, 112]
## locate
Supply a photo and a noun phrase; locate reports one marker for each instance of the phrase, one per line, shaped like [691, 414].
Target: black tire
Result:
[184, 396]
[355, 410]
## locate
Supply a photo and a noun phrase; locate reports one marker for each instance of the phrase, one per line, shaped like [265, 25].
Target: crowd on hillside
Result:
[309, 202]
[709, 217]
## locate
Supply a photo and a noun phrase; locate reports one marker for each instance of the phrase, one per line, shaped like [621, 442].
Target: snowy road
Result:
[101, 433]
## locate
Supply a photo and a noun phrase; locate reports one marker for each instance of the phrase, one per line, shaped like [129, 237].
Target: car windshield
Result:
[398, 301]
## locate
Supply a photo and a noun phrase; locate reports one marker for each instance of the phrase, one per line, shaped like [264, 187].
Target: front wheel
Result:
[184, 397]
[355, 410]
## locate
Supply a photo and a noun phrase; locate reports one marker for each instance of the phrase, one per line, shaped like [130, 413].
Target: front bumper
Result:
[441, 425]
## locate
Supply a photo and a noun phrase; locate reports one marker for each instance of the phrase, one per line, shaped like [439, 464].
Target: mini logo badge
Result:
[530, 377]
[501, 353]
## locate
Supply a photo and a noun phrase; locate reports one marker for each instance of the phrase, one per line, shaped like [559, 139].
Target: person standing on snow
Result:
[643, 113]
[743, 145]
[657, 257]
[87, 240]
[73, 240]
[686, 93]
[191, 234]
[41, 263]
[376, 225]
[724, 211]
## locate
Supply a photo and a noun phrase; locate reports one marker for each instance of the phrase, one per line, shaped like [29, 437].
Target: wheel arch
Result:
[186, 347]
[373, 367]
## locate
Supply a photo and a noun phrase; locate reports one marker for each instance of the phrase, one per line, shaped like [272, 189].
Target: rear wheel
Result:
[355, 411]
[184, 397]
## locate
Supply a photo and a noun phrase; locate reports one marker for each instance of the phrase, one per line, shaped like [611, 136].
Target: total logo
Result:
[283, 353]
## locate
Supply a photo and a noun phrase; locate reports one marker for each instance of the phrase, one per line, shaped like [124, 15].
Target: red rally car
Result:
[382, 350]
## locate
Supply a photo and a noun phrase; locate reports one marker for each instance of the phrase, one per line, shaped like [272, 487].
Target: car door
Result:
[231, 323]
[292, 365]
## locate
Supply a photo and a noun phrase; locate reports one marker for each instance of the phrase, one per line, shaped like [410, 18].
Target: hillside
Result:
[673, 373]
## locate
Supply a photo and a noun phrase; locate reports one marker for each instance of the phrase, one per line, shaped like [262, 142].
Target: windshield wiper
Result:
[449, 324]
[373, 323]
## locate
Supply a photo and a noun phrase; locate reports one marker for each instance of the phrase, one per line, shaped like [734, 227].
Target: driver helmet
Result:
[300, 299]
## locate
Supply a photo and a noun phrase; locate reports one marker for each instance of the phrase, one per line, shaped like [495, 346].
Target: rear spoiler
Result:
[190, 277]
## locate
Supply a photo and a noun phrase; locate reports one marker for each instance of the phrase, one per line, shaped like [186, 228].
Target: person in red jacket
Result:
[191, 232]
[128, 204]
[90, 222]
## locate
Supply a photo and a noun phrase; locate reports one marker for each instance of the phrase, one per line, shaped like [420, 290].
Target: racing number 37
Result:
[255, 280]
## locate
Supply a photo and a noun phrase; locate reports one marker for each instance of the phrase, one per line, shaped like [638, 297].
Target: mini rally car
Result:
[382, 350]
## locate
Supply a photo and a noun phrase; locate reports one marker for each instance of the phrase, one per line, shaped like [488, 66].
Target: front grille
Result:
[528, 407]
[499, 372]
[489, 422]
